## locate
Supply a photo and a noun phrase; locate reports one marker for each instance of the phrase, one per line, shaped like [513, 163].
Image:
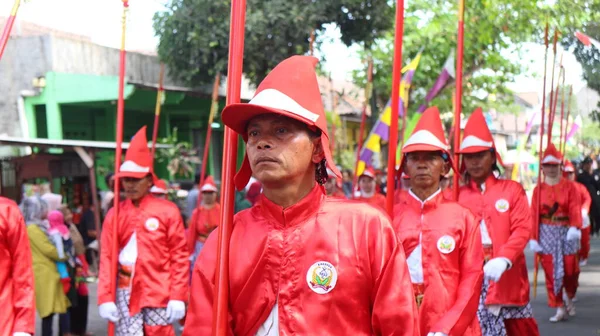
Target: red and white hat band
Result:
[276, 99]
[569, 169]
[473, 141]
[208, 187]
[551, 159]
[132, 167]
[157, 190]
[424, 137]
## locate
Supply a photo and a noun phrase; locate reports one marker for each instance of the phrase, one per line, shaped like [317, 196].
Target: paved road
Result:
[586, 323]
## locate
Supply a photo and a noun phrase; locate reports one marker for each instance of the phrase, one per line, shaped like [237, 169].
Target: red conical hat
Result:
[477, 136]
[159, 187]
[138, 161]
[569, 167]
[291, 89]
[369, 171]
[209, 185]
[428, 136]
[552, 156]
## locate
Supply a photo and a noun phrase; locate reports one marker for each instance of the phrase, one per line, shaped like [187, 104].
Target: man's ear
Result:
[318, 153]
[446, 168]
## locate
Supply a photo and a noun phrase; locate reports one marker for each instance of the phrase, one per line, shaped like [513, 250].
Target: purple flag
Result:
[447, 73]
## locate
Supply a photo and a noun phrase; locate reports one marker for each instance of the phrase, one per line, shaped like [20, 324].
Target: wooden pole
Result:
[8, 26]
[159, 95]
[393, 138]
[214, 106]
[234, 85]
[363, 122]
[541, 154]
[459, 86]
[564, 140]
[118, 155]
[562, 114]
[552, 86]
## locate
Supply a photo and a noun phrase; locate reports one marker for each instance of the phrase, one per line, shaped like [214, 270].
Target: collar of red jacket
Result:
[430, 204]
[128, 203]
[489, 182]
[295, 214]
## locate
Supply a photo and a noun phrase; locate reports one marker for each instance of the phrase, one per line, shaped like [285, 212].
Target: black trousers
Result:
[63, 322]
[79, 315]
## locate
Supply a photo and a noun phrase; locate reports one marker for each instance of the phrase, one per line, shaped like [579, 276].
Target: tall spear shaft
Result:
[393, 138]
[159, 95]
[459, 87]
[551, 87]
[8, 26]
[539, 181]
[214, 106]
[234, 86]
[118, 155]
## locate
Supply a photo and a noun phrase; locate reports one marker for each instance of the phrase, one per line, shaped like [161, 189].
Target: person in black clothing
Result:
[591, 180]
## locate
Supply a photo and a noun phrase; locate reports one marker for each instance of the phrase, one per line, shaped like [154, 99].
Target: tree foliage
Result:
[494, 33]
[194, 34]
[588, 57]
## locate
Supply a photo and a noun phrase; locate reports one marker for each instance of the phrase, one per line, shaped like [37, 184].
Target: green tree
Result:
[494, 33]
[194, 34]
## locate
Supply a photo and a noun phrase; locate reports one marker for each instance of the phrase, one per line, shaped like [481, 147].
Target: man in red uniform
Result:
[333, 186]
[586, 202]
[153, 257]
[368, 189]
[502, 211]
[301, 263]
[205, 219]
[17, 315]
[440, 237]
[557, 237]
[160, 189]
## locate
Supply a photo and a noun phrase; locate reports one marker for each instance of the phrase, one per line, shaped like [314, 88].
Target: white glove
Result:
[586, 219]
[534, 246]
[494, 269]
[175, 310]
[573, 234]
[436, 334]
[18, 333]
[109, 311]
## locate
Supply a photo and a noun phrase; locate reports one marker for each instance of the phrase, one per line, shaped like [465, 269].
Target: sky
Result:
[101, 21]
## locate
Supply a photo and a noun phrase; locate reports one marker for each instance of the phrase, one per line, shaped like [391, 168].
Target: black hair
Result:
[108, 177]
[196, 179]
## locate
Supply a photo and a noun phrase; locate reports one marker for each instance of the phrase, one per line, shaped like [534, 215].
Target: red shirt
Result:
[202, 223]
[16, 272]
[504, 207]
[273, 255]
[162, 268]
[452, 262]
[378, 200]
[566, 199]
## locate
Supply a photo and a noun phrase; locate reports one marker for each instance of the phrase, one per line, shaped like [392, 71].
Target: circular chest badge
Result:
[151, 224]
[502, 205]
[446, 244]
[321, 277]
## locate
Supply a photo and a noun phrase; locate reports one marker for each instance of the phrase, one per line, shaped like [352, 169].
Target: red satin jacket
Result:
[584, 196]
[378, 200]
[276, 255]
[202, 223]
[504, 207]
[452, 280]
[16, 272]
[161, 269]
[562, 196]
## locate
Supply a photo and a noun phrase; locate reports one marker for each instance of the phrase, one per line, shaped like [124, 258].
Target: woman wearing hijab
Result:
[50, 298]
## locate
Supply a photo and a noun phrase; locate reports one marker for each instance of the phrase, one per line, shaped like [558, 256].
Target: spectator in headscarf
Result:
[49, 295]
